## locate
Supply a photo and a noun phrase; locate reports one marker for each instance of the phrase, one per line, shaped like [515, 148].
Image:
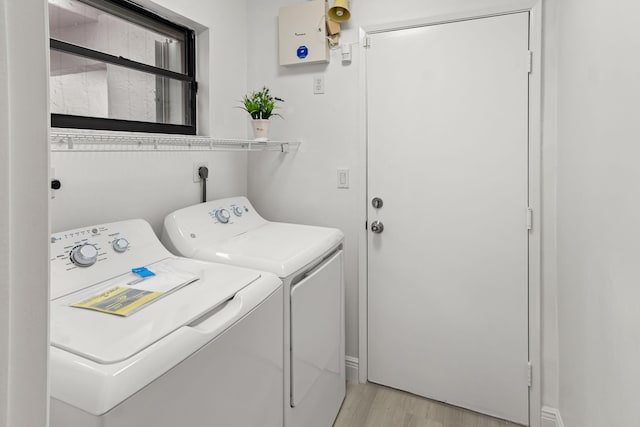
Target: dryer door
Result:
[317, 332]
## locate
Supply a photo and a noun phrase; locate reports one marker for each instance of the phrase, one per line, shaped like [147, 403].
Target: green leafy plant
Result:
[260, 104]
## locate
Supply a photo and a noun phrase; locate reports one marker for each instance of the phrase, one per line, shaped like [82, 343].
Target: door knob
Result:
[377, 227]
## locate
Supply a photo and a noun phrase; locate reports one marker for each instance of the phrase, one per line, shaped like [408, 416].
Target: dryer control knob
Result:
[237, 210]
[120, 244]
[84, 255]
[223, 215]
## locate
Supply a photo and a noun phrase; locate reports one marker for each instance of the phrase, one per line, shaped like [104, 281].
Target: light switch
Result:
[318, 85]
[343, 178]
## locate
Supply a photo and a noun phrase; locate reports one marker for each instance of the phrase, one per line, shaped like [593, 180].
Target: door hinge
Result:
[366, 43]
[529, 218]
[529, 374]
[529, 61]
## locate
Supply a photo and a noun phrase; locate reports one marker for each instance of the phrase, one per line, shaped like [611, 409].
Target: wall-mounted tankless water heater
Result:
[303, 33]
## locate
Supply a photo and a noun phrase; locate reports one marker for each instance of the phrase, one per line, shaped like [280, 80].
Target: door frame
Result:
[490, 8]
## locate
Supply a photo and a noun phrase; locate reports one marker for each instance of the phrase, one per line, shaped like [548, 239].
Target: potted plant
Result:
[260, 105]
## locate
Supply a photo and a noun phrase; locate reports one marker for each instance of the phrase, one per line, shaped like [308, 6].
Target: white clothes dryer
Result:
[179, 342]
[309, 260]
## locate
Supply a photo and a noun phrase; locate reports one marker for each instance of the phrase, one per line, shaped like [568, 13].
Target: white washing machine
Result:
[191, 343]
[309, 260]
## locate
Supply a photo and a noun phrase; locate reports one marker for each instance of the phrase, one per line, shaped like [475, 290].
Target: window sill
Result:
[78, 140]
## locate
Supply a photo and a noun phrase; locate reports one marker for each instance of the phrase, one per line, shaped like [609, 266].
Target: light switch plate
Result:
[318, 85]
[343, 178]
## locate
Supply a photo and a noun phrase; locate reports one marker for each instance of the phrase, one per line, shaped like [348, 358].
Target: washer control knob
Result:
[223, 215]
[84, 255]
[237, 210]
[120, 244]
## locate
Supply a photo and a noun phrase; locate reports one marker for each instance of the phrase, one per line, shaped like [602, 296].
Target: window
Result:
[116, 66]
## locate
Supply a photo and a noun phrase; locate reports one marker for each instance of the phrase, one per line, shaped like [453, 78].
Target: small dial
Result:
[120, 244]
[84, 255]
[223, 215]
[237, 210]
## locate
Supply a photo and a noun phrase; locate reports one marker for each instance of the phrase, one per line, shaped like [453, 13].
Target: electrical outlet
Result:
[196, 166]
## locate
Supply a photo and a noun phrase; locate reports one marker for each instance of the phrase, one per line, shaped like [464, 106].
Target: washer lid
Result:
[107, 338]
[276, 247]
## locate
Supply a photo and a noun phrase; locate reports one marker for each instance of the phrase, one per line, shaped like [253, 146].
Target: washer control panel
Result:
[84, 248]
[85, 256]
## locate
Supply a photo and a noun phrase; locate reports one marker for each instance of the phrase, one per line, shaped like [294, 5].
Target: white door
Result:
[448, 156]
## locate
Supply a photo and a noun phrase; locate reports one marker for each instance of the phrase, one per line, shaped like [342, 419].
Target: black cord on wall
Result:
[203, 173]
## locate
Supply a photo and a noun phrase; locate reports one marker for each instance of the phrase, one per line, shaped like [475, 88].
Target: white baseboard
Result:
[352, 368]
[551, 417]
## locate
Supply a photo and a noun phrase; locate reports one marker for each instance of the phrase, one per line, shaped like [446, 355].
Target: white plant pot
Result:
[260, 129]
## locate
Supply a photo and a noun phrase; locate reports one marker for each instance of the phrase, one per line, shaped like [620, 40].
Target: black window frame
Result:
[98, 123]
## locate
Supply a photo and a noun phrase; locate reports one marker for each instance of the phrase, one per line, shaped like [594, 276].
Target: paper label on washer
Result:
[130, 293]
[119, 300]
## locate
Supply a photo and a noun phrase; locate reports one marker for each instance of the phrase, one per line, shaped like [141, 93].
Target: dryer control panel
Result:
[206, 223]
[230, 212]
[85, 256]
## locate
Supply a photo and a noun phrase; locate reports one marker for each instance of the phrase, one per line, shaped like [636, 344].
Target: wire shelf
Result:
[80, 140]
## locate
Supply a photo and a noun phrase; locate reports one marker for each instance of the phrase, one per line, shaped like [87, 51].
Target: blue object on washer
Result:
[143, 272]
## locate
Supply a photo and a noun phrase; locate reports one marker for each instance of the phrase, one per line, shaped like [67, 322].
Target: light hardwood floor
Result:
[372, 405]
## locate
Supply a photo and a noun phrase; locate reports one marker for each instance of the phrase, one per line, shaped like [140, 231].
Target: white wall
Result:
[302, 188]
[104, 187]
[598, 203]
[24, 224]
